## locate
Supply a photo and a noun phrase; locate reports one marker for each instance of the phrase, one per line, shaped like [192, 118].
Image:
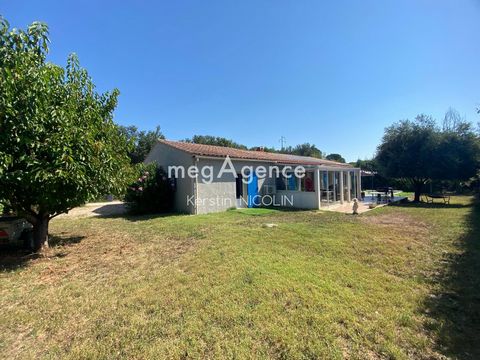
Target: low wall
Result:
[297, 199]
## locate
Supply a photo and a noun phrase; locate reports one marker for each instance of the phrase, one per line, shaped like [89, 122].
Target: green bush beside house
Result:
[151, 193]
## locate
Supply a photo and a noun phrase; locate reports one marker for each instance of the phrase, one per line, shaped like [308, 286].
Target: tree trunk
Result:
[40, 233]
[417, 187]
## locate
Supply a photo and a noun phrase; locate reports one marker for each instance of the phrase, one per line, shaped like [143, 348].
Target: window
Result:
[307, 183]
[239, 186]
[292, 183]
[287, 183]
[280, 183]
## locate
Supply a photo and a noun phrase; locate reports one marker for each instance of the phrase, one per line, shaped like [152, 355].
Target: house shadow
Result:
[142, 217]
[111, 210]
[120, 211]
[456, 308]
[13, 258]
[146, 217]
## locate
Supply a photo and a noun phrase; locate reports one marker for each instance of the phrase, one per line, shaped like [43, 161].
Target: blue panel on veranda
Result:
[252, 189]
[292, 183]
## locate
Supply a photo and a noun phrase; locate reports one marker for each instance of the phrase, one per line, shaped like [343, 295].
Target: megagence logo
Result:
[207, 172]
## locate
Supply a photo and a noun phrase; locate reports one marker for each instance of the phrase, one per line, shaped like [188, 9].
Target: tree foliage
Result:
[58, 144]
[335, 157]
[419, 151]
[367, 164]
[305, 149]
[141, 141]
[264, 148]
[215, 140]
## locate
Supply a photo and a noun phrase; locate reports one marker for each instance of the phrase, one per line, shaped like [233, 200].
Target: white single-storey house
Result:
[210, 178]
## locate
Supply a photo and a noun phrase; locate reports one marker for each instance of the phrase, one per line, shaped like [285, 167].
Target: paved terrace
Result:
[363, 206]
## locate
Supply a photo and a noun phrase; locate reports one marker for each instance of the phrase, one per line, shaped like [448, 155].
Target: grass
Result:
[398, 282]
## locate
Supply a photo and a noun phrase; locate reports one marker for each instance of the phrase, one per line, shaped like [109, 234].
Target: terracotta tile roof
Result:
[221, 152]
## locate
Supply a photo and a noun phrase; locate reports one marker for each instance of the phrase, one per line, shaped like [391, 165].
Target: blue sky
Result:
[330, 73]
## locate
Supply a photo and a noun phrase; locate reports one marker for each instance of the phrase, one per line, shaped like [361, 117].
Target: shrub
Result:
[151, 193]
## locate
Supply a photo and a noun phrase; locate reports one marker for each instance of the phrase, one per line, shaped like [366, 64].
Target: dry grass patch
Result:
[317, 285]
[402, 222]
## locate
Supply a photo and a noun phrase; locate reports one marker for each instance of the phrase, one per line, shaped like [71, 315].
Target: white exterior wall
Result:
[220, 194]
[297, 199]
[166, 156]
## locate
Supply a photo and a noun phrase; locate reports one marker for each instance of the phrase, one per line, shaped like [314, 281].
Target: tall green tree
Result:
[418, 152]
[58, 144]
[142, 141]
[367, 164]
[335, 157]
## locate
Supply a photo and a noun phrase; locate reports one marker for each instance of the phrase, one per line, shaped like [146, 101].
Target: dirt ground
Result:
[347, 207]
[110, 208]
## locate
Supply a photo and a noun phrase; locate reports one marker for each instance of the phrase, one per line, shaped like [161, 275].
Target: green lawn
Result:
[397, 282]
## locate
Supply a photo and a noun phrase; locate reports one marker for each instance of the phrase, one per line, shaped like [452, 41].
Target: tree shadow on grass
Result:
[59, 240]
[424, 205]
[13, 258]
[143, 217]
[456, 308]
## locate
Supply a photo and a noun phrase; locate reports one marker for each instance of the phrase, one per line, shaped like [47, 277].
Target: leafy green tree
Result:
[58, 144]
[367, 164]
[142, 141]
[418, 152]
[458, 153]
[372, 179]
[335, 157]
[305, 149]
[215, 140]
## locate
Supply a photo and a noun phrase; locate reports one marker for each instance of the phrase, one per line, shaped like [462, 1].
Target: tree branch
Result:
[60, 213]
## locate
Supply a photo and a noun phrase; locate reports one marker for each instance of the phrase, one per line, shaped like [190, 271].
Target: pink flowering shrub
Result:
[151, 193]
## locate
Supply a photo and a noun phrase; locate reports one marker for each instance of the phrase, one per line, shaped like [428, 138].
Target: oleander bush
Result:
[151, 193]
